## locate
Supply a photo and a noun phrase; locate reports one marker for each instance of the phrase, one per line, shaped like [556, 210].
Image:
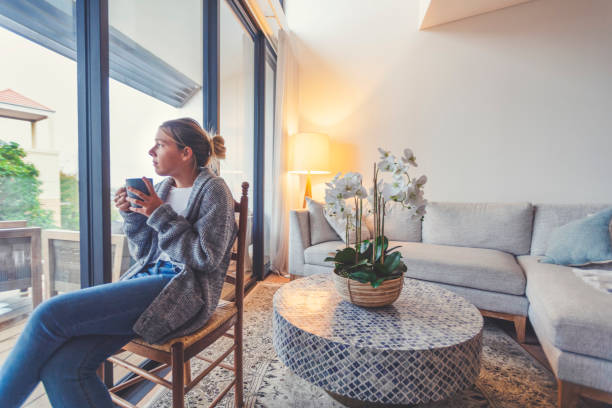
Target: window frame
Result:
[94, 143]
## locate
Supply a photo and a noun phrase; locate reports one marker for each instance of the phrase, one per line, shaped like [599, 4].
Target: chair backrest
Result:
[242, 208]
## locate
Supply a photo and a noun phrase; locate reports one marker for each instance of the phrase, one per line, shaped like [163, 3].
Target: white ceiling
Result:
[436, 12]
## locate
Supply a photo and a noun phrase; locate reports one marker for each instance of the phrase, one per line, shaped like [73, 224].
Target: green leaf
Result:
[345, 256]
[376, 283]
[365, 245]
[361, 276]
[330, 259]
[381, 269]
[392, 261]
[380, 245]
[391, 249]
[363, 261]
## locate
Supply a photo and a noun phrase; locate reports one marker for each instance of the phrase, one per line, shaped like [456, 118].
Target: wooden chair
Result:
[177, 352]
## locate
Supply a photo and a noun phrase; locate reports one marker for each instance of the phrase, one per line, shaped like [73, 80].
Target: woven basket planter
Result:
[363, 294]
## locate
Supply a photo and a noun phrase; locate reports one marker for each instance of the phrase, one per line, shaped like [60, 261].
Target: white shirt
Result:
[177, 198]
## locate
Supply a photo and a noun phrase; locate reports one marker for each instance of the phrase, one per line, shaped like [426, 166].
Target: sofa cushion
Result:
[505, 227]
[574, 316]
[320, 230]
[581, 242]
[547, 217]
[316, 254]
[399, 224]
[478, 268]
[492, 301]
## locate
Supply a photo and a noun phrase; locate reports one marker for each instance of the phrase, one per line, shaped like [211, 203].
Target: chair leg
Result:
[187, 373]
[239, 387]
[568, 394]
[178, 384]
[520, 325]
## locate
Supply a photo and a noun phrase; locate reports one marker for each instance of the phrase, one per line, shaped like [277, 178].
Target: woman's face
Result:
[168, 159]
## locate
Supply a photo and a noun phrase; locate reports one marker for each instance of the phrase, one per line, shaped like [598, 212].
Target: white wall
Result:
[513, 105]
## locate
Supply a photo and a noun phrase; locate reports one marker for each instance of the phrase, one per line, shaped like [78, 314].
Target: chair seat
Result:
[225, 310]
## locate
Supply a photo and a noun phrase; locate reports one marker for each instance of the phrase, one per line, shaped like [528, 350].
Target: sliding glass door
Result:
[237, 109]
[84, 86]
[155, 52]
[39, 191]
[270, 90]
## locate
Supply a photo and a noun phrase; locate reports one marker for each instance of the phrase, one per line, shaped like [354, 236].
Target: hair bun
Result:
[219, 146]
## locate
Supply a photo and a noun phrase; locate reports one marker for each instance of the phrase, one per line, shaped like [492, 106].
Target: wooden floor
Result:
[15, 308]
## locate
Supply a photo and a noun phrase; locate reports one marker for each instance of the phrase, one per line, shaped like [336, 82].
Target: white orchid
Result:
[390, 193]
[354, 179]
[361, 192]
[347, 186]
[334, 208]
[396, 189]
[413, 194]
[333, 181]
[401, 189]
[400, 169]
[388, 164]
[384, 153]
[409, 158]
[420, 211]
[331, 196]
[420, 182]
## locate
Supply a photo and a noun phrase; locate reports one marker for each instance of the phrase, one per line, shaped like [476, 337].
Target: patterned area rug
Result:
[509, 376]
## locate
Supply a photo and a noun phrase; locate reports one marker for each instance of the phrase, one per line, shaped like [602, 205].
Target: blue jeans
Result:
[159, 268]
[67, 338]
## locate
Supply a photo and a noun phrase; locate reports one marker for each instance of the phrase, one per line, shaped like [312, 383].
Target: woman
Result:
[181, 237]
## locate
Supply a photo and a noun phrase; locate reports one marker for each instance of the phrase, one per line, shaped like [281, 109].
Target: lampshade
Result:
[310, 154]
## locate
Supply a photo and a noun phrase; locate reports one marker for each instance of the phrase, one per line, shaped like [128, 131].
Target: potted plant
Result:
[369, 273]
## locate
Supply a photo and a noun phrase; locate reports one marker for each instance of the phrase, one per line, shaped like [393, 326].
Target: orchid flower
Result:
[409, 158]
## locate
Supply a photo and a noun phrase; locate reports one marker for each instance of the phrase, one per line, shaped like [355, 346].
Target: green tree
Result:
[20, 188]
[69, 193]
[69, 197]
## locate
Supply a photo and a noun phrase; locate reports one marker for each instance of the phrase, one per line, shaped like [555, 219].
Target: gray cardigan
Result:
[201, 241]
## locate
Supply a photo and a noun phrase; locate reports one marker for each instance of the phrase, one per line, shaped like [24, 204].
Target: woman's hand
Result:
[147, 203]
[121, 201]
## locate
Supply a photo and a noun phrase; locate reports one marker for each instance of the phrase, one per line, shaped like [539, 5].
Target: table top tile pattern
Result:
[425, 316]
[406, 353]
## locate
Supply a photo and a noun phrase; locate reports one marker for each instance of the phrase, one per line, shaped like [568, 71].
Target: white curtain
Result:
[286, 124]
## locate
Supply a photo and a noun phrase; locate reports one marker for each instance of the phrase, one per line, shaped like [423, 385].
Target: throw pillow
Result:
[399, 224]
[338, 225]
[581, 242]
[320, 230]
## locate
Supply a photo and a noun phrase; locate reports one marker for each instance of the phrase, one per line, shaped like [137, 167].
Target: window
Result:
[169, 40]
[156, 53]
[39, 207]
[236, 107]
[270, 75]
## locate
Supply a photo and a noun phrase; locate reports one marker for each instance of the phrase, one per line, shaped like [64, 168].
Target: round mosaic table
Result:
[423, 348]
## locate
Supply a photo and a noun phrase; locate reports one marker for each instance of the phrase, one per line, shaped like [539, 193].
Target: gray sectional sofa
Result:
[489, 253]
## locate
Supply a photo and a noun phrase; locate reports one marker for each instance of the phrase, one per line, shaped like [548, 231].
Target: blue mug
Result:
[139, 185]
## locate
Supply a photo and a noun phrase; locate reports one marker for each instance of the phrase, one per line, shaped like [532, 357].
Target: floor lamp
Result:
[310, 155]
